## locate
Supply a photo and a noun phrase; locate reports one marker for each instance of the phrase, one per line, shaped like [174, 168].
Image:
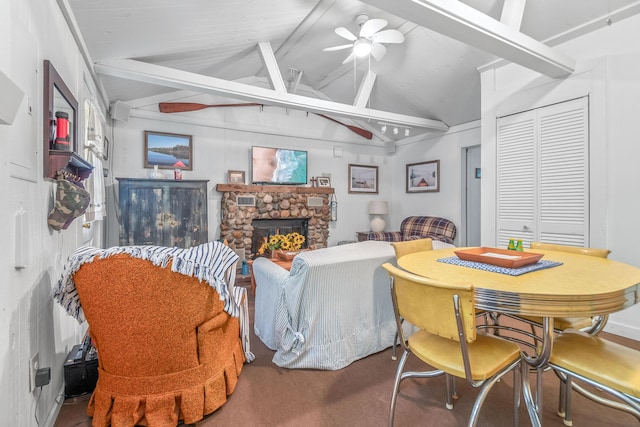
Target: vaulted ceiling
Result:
[271, 51]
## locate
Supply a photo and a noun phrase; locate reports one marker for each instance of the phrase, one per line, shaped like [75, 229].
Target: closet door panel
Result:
[515, 178]
[563, 179]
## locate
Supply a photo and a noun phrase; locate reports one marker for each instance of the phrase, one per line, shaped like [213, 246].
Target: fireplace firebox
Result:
[264, 228]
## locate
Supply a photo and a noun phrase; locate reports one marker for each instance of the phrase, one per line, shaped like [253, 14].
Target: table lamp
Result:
[377, 208]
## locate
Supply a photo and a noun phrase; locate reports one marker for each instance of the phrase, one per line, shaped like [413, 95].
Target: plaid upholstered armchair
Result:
[419, 227]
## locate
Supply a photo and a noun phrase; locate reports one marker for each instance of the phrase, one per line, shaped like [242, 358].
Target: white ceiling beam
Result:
[269, 61]
[302, 29]
[512, 13]
[170, 77]
[466, 24]
[364, 91]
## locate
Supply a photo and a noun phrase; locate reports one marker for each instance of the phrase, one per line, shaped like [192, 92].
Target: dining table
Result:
[565, 285]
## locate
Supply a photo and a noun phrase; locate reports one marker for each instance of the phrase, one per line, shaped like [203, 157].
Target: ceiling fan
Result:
[369, 40]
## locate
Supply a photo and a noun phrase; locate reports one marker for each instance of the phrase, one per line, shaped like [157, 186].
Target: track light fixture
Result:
[396, 130]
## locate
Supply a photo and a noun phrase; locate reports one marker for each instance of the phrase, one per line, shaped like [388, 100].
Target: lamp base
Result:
[377, 224]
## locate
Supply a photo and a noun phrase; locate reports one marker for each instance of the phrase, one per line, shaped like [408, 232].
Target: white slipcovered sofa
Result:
[333, 307]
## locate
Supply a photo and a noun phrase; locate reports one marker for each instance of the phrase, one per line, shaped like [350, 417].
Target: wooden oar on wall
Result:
[182, 107]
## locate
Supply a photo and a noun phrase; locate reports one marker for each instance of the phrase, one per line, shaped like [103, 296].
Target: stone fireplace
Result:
[273, 202]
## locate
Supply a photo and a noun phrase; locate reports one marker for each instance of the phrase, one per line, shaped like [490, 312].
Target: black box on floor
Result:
[80, 371]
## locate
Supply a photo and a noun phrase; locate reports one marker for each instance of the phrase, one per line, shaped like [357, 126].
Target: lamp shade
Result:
[378, 207]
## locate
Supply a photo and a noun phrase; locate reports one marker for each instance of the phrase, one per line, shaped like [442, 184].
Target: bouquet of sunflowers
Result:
[286, 242]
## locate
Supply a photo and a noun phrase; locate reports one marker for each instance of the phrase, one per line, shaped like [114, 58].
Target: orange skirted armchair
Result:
[167, 349]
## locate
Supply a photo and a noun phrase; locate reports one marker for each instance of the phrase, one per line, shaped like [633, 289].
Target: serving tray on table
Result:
[500, 257]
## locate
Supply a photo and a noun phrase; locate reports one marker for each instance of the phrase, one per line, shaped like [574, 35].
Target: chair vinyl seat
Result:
[487, 354]
[563, 323]
[606, 362]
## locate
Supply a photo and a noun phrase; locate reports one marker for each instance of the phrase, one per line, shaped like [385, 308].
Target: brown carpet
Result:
[359, 394]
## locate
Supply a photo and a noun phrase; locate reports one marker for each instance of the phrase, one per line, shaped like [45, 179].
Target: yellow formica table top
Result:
[581, 286]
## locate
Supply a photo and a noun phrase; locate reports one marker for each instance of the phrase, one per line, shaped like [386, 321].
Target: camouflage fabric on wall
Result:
[71, 202]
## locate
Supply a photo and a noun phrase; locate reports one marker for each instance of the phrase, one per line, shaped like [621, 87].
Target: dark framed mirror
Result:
[60, 128]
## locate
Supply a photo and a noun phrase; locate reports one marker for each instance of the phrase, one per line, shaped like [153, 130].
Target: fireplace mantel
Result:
[243, 188]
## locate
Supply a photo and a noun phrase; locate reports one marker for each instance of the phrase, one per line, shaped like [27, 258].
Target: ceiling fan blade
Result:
[343, 32]
[332, 48]
[388, 36]
[372, 26]
[378, 51]
[348, 58]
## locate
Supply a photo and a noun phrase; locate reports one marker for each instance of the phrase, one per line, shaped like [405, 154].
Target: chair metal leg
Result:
[567, 406]
[484, 391]
[517, 391]
[450, 382]
[396, 386]
[395, 344]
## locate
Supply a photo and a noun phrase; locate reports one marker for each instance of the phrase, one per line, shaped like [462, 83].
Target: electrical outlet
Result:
[34, 365]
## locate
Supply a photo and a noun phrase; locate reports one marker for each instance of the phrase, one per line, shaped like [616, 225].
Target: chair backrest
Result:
[428, 304]
[411, 246]
[144, 318]
[428, 226]
[600, 253]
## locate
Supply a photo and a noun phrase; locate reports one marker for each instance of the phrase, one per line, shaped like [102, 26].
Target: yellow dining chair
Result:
[405, 248]
[411, 246]
[592, 325]
[609, 366]
[447, 339]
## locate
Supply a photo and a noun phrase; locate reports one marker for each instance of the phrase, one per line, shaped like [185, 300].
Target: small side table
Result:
[362, 235]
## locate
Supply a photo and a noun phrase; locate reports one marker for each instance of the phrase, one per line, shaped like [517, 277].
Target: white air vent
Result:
[314, 202]
[246, 200]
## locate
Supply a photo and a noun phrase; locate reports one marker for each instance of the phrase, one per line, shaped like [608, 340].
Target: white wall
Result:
[219, 148]
[447, 202]
[608, 62]
[30, 32]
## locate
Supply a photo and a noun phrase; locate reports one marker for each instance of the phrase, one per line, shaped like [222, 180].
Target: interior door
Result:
[473, 175]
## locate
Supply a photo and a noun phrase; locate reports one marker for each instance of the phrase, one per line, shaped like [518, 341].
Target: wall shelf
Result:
[58, 97]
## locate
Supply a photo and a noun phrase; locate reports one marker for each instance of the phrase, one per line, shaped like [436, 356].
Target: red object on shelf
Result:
[62, 131]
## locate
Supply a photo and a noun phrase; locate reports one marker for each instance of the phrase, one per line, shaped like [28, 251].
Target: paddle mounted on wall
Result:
[182, 107]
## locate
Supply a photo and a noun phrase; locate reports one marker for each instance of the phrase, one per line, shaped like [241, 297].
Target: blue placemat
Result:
[540, 265]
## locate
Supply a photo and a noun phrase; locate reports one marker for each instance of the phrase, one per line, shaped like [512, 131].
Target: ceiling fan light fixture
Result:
[362, 47]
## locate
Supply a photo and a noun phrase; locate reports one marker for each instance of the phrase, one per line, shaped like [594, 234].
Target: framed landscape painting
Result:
[423, 177]
[168, 150]
[363, 179]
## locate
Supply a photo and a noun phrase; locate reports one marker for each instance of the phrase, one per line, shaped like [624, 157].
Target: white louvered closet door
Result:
[542, 175]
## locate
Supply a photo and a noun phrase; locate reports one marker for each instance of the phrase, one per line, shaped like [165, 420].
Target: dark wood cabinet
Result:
[163, 212]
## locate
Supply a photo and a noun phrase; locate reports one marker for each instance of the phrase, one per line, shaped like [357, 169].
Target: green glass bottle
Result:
[519, 245]
[512, 245]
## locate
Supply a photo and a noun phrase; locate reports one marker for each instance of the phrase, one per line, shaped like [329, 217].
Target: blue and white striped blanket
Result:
[209, 262]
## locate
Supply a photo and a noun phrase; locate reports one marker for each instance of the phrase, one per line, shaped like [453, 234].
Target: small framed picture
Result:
[363, 179]
[235, 177]
[324, 181]
[423, 177]
[168, 150]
